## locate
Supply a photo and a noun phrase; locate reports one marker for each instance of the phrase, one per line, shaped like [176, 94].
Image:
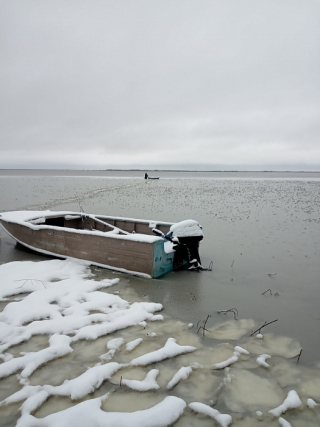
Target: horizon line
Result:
[165, 170]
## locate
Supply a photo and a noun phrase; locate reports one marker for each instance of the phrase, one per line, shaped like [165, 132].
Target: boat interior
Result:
[102, 223]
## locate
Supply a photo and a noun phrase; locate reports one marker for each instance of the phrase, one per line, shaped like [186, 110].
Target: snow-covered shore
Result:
[98, 351]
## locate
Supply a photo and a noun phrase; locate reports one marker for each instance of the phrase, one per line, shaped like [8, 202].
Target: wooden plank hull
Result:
[141, 258]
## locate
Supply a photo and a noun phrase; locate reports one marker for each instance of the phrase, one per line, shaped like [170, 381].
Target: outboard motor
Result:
[186, 236]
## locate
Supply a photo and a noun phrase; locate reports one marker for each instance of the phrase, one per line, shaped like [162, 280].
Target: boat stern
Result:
[165, 259]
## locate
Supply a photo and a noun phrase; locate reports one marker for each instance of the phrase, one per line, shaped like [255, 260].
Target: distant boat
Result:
[146, 176]
[136, 246]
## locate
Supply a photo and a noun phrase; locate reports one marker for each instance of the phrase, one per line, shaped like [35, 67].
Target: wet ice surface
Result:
[261, 234]
[59, 377]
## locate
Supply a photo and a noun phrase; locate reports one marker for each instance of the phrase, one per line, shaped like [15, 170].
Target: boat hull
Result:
[147, 259]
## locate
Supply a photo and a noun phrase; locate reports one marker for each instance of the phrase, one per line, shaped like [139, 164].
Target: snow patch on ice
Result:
[156, 317]
[76, 389]
[149, 383]
[224, 420]
[284, 423]
[65, 308]
[227, 362]
[291, 402]
[233, 359]
[59, 345]
[259, 415]
[183, 374]
[170, 349]
[261, 360]
[89, 413]
[241, 350]
[311, 403]
[113, 346]
[133, 344]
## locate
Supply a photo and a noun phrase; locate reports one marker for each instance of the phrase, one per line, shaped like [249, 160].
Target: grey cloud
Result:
[127, 82]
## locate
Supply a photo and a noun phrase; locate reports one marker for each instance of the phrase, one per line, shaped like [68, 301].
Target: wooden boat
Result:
[153, 177]
[122, 244]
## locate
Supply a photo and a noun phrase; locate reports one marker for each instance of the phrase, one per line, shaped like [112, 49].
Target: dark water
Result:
[262, 231]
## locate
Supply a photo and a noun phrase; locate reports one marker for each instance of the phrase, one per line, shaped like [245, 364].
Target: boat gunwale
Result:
[138, 237]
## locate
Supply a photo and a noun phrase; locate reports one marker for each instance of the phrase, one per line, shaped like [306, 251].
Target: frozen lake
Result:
[262, 231]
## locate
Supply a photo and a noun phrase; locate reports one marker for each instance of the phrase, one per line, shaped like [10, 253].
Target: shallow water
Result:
[262, 231]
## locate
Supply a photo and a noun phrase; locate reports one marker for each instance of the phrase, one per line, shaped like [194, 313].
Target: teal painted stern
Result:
[164, 262]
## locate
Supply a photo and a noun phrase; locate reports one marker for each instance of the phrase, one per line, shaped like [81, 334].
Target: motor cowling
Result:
[186, 236]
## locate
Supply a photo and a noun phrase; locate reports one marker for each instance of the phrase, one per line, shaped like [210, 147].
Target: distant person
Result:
[146, 176]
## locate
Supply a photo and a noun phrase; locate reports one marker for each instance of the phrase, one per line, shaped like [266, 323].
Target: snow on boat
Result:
[140, 247]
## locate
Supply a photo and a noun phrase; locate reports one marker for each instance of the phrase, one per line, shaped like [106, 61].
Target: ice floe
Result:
[249, 391]
[312, 386]
[231, 329]
[288, 374]
[274, 345]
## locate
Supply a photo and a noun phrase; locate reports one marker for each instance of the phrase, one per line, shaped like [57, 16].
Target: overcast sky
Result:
[202, 84]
